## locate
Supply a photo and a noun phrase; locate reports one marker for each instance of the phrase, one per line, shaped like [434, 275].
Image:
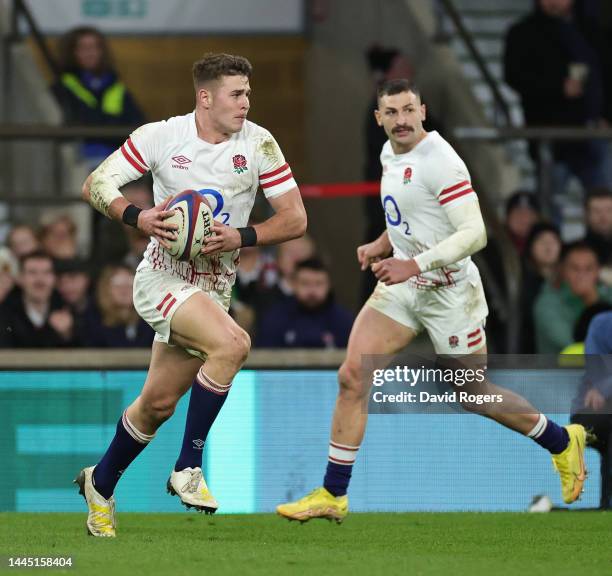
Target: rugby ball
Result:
[194, 218]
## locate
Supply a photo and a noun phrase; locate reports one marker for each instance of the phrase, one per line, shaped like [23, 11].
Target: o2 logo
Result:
[217, 205]
[393, 214]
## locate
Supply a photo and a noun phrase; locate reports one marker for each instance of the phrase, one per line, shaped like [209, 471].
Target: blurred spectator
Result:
[384, 64]
[557, 309]
[21, 240]
[256, 287]
[118, 243]
[540, 265]
[557, 72]
[90, 92]
[522, 212]
[308, 319]
[7, 273]
[594, 18]
[599, 230]
[117, 325]
[58, 236]
[73, 285]
[581, 327]
[288, 256]
[593, 405]
[33, 316]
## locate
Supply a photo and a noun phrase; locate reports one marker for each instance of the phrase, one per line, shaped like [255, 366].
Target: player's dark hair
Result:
[577, 246]
[213, 66]
[36, 255]
[68, 44]
[397, 86]
[314, 263]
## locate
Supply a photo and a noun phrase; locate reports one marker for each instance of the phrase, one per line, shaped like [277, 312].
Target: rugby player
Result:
[427, 280]
[197, 346]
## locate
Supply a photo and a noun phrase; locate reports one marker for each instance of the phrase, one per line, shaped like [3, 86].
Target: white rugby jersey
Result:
[228, 174]
[417, 188]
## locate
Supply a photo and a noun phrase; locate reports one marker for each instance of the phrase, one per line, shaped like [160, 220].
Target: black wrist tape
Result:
[248, 236]
[130, 215]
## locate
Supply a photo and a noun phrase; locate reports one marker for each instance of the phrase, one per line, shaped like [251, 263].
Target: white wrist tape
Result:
[106, 180]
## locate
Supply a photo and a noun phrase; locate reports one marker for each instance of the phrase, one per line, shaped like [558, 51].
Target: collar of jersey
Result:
[420, 145]
[193, 132]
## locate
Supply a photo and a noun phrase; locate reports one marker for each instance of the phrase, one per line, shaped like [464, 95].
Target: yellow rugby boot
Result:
[101, 516]
[570, 464]
[318, 504]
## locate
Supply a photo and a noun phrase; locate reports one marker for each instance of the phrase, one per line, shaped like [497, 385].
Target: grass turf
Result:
[414, 543]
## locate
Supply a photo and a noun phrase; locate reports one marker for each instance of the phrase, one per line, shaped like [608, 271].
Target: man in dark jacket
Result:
[557, 72]
[33, 316]
[593, 405]
[308, 319]
[599, 230]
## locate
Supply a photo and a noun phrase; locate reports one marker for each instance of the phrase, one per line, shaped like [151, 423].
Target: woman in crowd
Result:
[117, 325]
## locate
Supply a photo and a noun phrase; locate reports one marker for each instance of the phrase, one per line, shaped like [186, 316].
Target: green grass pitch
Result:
[556, 544]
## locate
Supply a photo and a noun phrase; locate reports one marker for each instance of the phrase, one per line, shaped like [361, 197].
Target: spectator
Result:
[21, 240]
[119, 243]
[73, 285]
[599, 230]
[557, 309]
[58, 236]
[522, 212]
[256, 287]
[308, 319]
[540, 265]
[117, 325]
[33, 316]
[557, 73]
[593, 405]
[289, 254]
[7, 273]
[581, 327]
[90, 92]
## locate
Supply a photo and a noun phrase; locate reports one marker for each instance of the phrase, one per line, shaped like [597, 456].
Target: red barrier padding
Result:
[341, 189]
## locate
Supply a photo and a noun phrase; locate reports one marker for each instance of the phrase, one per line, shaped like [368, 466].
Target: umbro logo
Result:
[198, 443]
[181, 162]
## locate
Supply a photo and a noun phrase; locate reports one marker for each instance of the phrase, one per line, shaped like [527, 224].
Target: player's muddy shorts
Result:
[453, 316]
[158, 294]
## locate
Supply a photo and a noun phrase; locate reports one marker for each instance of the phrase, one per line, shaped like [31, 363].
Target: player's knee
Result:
[234, 346]
[350, 382]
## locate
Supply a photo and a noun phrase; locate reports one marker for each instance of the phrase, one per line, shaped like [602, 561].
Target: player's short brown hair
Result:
[213, 66]
[397, 86]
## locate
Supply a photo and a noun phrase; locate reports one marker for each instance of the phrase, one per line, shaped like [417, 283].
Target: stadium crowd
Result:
[52, 294]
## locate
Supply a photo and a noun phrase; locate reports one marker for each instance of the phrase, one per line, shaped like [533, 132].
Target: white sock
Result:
[134, 432]
[539, 428]
[342, 453]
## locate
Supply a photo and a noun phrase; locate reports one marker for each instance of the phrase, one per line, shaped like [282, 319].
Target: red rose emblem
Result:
[240, 163]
